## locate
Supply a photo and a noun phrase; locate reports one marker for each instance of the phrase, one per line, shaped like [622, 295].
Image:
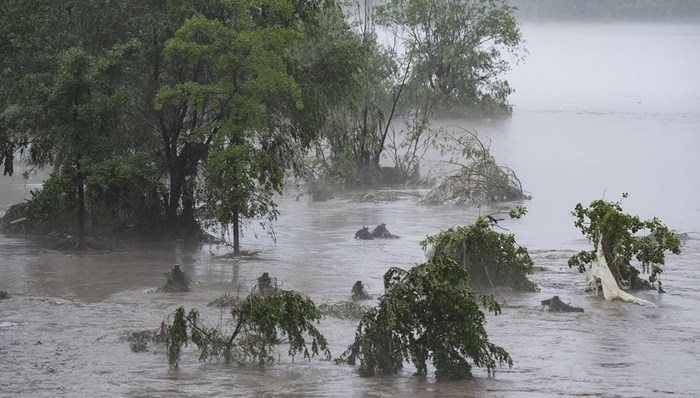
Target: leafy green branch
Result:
[259, 324]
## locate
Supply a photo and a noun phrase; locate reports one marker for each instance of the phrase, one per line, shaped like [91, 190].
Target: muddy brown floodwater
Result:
[579, 131]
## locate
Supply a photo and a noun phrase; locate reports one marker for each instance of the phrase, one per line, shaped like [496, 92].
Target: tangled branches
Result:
[478, 180]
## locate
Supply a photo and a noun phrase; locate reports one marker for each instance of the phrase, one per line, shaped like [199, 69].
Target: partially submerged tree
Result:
[258, 324]
[478, 178]
[461, 50]
[348, 309]
[620, 238]
[492, 259]
[176, 281]
[207, 74]
[359, 292]
[428, 314]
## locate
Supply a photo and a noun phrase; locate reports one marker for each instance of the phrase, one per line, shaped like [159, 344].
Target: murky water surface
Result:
[600, 110]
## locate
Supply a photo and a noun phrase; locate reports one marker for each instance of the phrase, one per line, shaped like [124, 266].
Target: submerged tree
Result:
[258, 324]
[491, 258]
[619, 238]
[86, 100]
[206, 74]
[460, 49]
[478, 179]
[428, 314]
[176, 281]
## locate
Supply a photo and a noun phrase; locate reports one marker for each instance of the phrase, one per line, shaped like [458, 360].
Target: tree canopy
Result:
[428, 314]
[258, 324]
[623, 238]
[460, 50]
[492, 258]
[153, 90]
[149, 113]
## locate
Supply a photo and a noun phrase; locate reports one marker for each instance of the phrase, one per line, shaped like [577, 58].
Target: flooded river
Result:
[600, 110]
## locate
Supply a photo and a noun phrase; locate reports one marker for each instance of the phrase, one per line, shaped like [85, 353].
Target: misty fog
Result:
[599, 109]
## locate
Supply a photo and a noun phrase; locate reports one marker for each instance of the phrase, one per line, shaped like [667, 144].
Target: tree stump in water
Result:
[556, 305]
[364, 234]
[265, 285]
[177, 281]
[381, 232]
[359, 292]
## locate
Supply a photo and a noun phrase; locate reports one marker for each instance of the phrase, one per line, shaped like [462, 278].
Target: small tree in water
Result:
[431, 313]
[615, 235]
[258, 323]
[176, 281]
[428, 314]
[491, 258]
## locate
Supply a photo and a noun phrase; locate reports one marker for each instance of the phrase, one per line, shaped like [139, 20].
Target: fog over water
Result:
[599, 110]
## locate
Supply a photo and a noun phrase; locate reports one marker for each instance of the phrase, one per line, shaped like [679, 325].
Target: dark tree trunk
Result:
[81, 209]
[368, 171]
[236, 236]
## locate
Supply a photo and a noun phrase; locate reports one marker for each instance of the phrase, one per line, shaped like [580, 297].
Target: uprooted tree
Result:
[428, 313]
[492, 258]
[620, 238]
[478, 178]
[258, 323]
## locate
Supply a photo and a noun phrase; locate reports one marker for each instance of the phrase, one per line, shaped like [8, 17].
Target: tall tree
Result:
[85, 102]
[71, 70]
[356, 135]
[460, 49]
[225, 72]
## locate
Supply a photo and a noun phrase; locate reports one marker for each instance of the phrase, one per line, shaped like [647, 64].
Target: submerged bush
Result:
[139, 341]
[429, 314]
[258, 324]
[478, 180]
[224, 301]
[624, 237]
[344, 310]
[176, 281]
[491, 258]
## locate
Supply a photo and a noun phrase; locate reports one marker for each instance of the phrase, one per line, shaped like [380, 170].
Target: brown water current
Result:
[62, 332]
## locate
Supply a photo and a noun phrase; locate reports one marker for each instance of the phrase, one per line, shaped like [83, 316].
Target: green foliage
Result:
[123, 180]
[139, 341]
[225, 301]
[427, 314]
[176, 280]
[170, 81]
[459, 47]
[624, 237]
[350, 309]
[226, 73]
[51, 200]
[242, 179]
[491, 258]
[259, 322]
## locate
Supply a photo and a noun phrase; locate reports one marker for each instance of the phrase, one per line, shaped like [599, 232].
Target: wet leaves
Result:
[428, 314]
[260, 322]
[625, 237]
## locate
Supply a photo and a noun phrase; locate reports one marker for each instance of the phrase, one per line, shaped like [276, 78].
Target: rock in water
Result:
[556, 305]
[363, 234]
[382, 232]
